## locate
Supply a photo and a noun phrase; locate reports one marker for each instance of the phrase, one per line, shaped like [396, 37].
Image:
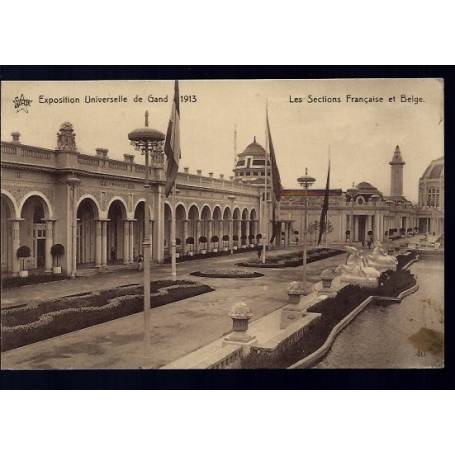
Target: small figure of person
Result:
[140, 262]
[113, 254]
[259, 249]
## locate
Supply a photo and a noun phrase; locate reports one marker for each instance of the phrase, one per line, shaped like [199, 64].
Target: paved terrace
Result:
[176, 329]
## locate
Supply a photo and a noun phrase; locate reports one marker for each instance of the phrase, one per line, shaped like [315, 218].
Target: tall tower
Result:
[396, 173]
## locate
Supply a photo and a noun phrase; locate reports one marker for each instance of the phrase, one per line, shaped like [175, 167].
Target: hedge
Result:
[293, 259]
[38, 321]
[332, 310]
[17, 281]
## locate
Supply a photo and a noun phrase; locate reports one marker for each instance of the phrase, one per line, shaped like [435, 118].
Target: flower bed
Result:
[209, 254]
[227, 273]
[35, 322]
[16, 281]
[332, 310]
[292, 259]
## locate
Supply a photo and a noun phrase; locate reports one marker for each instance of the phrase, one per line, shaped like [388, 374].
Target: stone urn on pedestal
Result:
[240, 314]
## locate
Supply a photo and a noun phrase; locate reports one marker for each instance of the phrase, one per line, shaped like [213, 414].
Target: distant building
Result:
[94, 206]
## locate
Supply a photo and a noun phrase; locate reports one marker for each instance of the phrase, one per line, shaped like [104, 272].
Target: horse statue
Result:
[356, 270]
[380, 260]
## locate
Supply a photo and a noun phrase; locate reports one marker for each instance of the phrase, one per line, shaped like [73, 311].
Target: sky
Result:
[361, 136]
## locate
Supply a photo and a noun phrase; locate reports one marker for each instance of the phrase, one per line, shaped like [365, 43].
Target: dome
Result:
[366, 186]
[254, 149]
[435, 170]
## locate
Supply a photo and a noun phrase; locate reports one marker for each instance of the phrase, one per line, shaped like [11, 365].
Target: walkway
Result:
[176, 329]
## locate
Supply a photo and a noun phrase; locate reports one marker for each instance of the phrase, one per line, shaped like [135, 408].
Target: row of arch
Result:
[110, 236]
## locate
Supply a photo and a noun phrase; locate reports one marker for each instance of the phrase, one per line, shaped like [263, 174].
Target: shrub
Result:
[14, 281]
[203, 239]
[22, 253]
[35, 322]
[235, 238]
[259, 236]
[190, 241]
[57, 250]
[215, 239]
[225, 238]
[178, 242]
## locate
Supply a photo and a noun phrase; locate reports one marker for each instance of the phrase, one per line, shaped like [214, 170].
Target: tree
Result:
[23, 252]
[57, 250]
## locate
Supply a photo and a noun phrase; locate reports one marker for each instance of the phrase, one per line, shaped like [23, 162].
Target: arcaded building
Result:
[94, 206]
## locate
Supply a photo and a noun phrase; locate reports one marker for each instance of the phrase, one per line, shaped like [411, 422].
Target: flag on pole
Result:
[276, 179]
[325, 208]
[172, 144]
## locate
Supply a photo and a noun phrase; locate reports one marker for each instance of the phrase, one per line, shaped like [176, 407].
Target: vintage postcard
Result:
[222, 224]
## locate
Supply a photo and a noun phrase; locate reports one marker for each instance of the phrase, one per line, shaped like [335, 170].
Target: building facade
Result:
[94, 206]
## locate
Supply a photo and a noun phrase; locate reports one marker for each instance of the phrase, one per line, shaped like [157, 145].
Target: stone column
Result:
[247, 231]
[104, 243]
[131, 242]
[198, 234]
[126, 241]
[49, 242]
[15, 246]
[231, 232]
[286, 234]
[98, 241]
[185, 235]
[209, 234]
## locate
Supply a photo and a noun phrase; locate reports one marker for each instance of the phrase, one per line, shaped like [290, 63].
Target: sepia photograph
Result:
[228, 224]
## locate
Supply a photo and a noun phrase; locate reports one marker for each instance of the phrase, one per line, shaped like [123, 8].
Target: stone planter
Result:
[295, 290]
[234, 248]
[327, 277]
[251, 245]
[190, 253]
[57, 270]
[215, 250]
[204, 251]
[240, 314]
[226, 248]
[177, 255]
[23, 273]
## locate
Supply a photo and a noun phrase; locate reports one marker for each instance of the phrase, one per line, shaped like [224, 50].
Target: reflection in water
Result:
[405, 335]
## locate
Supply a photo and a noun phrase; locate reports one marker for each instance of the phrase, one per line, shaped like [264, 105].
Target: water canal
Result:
[405, 335]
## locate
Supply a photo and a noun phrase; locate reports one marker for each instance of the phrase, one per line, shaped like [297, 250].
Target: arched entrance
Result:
[253, 226]
[217, 229]
[180, 228]
[193, 220]
[138, 230]
[167, 229]
[227, 216]
[6, 247]
[87, 214]
[35, 212]
[115, 232]
[236, 227]
[244, 227]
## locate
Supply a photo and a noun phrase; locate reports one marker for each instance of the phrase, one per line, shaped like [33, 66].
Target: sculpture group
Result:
[365, 270]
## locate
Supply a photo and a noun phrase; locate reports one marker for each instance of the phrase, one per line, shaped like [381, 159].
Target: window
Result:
[247, 173]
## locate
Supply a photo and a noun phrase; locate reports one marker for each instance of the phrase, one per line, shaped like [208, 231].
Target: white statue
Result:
[380, 260]
[356, 270]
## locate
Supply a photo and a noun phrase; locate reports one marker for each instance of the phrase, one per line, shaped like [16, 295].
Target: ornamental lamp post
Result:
[149, 142]
[73, 182]
[305, 182]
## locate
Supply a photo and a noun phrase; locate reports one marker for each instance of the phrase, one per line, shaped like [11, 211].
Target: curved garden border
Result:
[325, 348]
[214, 274]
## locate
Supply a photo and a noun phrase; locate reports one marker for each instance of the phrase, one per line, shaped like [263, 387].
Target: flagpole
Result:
[328, 205]
[173, 229]
[265, 237]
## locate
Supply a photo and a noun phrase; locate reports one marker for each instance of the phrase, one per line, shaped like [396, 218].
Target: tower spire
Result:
[146, 118]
